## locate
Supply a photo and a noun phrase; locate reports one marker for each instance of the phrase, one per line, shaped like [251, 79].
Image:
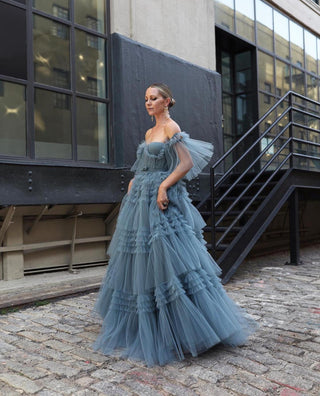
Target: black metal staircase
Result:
[258, 174]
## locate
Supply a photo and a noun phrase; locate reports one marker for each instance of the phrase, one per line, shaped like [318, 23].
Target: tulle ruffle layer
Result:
[162, 297]
[186, 315]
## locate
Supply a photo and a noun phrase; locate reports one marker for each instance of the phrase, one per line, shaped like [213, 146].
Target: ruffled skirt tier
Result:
[162, 297]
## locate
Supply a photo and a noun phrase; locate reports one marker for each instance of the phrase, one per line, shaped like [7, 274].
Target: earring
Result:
[152, 118]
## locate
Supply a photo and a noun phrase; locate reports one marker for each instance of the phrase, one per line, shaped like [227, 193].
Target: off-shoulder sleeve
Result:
[200, 152]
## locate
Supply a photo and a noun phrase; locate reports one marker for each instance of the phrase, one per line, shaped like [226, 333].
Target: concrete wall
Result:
[184, 28]
[306, 12]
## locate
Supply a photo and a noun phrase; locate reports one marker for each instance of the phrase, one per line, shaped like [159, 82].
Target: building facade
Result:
[72, 79]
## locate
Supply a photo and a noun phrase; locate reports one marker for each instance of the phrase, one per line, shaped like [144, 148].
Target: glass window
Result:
[282, 78]
[13, 52]
[226, 71]
[311, 51]
[57, 8]
[264, 25]
[51, 52]
[243, 71]
[265, 103]
[296, 41]
[90, 64]
[90, 14]
[12, 119]
[312, 87]
[245, 18]
[224, 13]
[91, 131]
[318, 47]
[281, 32]
[266, 72]
[297, 80]
[52, 121]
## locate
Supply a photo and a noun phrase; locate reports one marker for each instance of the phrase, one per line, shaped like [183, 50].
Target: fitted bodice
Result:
[151, 157]
[165, 156]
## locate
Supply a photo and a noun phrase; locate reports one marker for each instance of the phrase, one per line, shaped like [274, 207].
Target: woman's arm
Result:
[130, 185]
[185, 164]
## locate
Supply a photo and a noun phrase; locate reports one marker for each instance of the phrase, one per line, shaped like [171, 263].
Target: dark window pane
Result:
[52, 119]
[92, 131]
[13, 41]
[90, 64]
[51, 52]
[12, 119]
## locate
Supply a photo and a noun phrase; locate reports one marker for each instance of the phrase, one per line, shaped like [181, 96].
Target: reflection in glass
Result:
[318, 47]
[12, 119]
[52, 119]
[226, 71]
[92, 131]
[311, 51]
[312, 87]
[282, 78]
[90, 64]
[297, 80]
[245, 18]
[243, 71]
[296, 40]
[57, 8]
[51, 52]
[266, 72]
[224, 13]
[264, 25]
[90, 14]
[281, 31]
[265, 103]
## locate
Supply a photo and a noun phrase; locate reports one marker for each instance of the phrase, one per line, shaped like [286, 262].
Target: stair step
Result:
[219, 248]
[233, 212]
[221, 229]
[244, 198]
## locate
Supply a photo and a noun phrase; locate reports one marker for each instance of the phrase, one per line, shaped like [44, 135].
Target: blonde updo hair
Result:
[164, 91]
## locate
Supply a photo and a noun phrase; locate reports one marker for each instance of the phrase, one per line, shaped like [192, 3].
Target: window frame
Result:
[30, 85]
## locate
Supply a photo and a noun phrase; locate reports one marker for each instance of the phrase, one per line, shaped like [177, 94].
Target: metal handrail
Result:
[252, 181]
[252, 164]
[253, 199]
[258, 140]
[218, 162]
[289, 142]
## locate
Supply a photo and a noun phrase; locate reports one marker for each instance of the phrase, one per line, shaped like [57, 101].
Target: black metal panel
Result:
[36, 185]
[197, 92]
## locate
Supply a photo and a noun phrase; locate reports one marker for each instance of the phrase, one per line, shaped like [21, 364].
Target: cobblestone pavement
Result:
[46, 350]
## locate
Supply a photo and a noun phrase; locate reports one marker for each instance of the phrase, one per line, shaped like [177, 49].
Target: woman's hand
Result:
[130, 185]
[162, 199]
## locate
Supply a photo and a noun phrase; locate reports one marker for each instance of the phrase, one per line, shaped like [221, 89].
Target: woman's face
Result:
[155, 103]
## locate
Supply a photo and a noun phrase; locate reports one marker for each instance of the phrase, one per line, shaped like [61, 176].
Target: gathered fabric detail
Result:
[161, 297]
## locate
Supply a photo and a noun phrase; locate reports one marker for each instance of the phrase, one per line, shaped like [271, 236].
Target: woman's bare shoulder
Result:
[147, 133]
[171, 128]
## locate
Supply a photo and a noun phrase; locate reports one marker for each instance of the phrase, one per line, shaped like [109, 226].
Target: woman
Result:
[162, 297]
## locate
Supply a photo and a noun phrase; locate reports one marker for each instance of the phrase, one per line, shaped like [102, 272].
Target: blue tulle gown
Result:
[161, 297]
